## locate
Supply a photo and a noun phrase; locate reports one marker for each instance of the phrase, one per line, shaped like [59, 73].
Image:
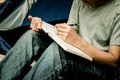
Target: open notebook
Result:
[51, 30]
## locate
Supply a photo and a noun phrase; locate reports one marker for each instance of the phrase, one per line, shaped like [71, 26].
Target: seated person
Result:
[13, 12]
[98, 36]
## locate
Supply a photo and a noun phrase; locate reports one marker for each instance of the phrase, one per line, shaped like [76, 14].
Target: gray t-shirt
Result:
[100, 26]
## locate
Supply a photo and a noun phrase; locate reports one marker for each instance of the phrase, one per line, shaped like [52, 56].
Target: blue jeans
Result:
[56, 64]
[53, 63]
[4, 46]
[48, 66]
[28, 48]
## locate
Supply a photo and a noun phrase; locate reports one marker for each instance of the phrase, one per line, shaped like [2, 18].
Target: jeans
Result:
[28, 48]
[56, 64]
[48, 66]
[117, 73]
[4, 46]
[53, 63]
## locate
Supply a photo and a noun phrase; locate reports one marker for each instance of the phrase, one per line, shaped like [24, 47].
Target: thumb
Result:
[30, 17]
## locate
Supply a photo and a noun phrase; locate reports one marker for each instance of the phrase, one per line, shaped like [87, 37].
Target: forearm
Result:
[100, 56]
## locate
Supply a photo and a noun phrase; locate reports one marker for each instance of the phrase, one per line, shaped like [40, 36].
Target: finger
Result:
[61, 33]
[30, 17]
[62, 25]
[62, 29]
[59, 29]
[62, 37]
[39, 26]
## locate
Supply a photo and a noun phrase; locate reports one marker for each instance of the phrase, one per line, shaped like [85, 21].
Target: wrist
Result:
[84, 46]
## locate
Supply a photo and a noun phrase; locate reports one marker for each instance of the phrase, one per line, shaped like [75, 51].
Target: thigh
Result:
[117, 73]
[21, 55]
[78, 68]
[48, 65]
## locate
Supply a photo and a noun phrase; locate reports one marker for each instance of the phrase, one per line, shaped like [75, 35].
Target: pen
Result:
[73, 24]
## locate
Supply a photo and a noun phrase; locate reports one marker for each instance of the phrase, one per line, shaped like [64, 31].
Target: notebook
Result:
[51, 31]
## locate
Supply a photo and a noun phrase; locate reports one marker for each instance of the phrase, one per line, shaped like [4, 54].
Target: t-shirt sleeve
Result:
[115, 35]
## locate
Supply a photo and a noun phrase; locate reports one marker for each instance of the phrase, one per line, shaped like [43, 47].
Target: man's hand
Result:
[67, 33]
[35, 22]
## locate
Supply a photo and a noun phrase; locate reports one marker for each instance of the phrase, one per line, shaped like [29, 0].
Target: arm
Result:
[68, 34]
[108, 58]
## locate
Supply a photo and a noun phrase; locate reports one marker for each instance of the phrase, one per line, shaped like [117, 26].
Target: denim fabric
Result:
[56, 64]
[82, 69]
[48, 66]
[4, 46]
[19, 58]
[117, 73]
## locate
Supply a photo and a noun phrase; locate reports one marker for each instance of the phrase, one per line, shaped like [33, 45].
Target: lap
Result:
[78, 68]
[61, 64]
[117, 73]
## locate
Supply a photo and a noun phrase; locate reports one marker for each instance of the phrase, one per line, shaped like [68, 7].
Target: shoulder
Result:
[117, 7]
[116, 10]
[77, 2]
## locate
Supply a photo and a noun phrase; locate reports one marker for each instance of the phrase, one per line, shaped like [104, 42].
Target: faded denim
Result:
[19, 58]
[56, 64]
[53, 63]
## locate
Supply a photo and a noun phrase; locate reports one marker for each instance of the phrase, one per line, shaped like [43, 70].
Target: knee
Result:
[30, 34]
[53, 50]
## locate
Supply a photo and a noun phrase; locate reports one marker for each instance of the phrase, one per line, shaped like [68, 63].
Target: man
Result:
[98, 36]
